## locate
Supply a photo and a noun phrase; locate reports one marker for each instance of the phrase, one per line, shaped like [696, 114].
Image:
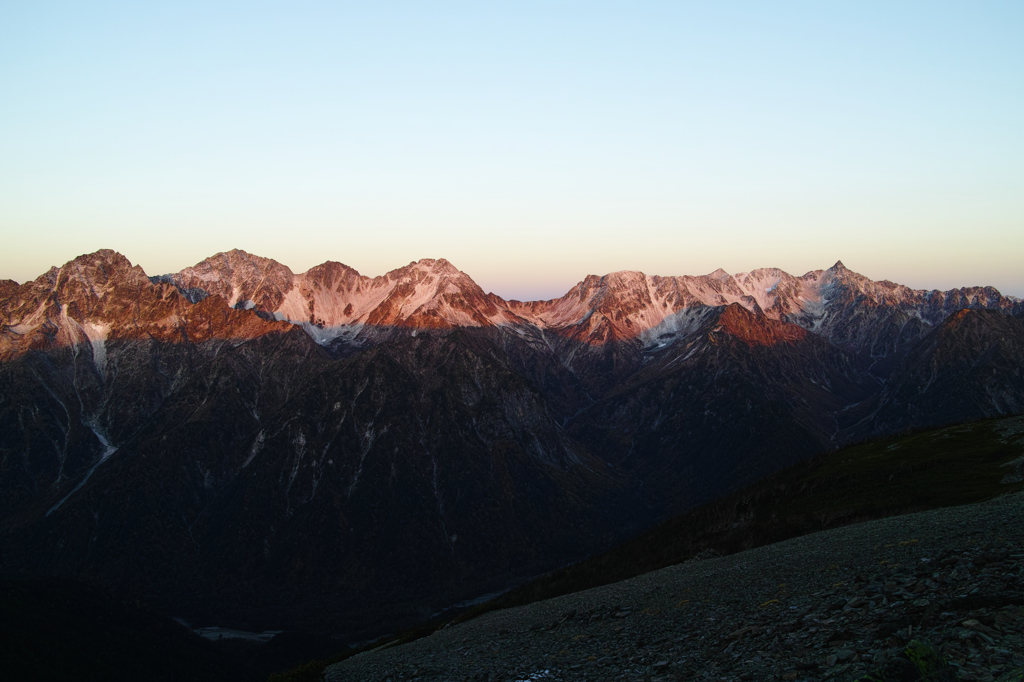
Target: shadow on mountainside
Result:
[945, 467]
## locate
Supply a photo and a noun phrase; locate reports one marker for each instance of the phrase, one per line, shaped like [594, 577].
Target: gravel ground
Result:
[832, 605]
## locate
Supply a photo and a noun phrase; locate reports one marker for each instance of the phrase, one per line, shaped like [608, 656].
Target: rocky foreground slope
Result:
[832, 605]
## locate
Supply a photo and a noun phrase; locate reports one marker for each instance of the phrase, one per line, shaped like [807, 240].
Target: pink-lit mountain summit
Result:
[335, 304]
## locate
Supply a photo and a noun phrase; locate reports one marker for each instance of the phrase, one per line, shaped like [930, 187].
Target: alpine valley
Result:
[239, 445]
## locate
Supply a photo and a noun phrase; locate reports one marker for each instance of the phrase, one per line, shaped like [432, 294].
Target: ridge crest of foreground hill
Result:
[841, 603]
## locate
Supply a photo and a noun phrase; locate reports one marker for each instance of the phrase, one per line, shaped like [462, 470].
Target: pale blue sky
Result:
[529, 143]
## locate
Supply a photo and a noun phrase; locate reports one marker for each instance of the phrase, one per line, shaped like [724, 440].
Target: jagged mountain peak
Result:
[99, 255]
[332, 300]
[237, 263]
[624, 277]
[761, 274]
[719, 275]
[240, 278]
[330, 275]
[436, 271]
[240, 255]
[8, 287]
[98, 267]
[430, 267]
[332, 265]
[439, 265]
[100, 296]
[90, 275]
[599, 289]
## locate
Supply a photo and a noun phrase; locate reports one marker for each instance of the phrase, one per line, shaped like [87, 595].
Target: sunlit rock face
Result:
[242, 444]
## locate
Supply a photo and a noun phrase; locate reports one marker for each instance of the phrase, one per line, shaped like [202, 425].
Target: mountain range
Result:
[237, 444]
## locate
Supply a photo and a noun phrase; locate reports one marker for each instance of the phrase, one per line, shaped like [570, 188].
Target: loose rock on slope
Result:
[833, 605]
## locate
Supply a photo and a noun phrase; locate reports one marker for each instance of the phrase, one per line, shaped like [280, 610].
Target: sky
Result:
[529, 143]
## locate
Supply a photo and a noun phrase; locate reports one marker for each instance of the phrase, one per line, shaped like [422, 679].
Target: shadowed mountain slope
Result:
[950, 466]
[969, 367]
[54, 630]
[240, 444]
[262, 482]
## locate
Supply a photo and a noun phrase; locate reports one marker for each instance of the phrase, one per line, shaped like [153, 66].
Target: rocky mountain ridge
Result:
[337, 305]
[334, 301]
[332, 442]
[102, 296]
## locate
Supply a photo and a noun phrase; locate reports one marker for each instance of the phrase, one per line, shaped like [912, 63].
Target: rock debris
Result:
[836, 605]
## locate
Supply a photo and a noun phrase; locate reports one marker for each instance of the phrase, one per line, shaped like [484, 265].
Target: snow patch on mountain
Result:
[97, 335]
[676, 326]
[326, 335]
